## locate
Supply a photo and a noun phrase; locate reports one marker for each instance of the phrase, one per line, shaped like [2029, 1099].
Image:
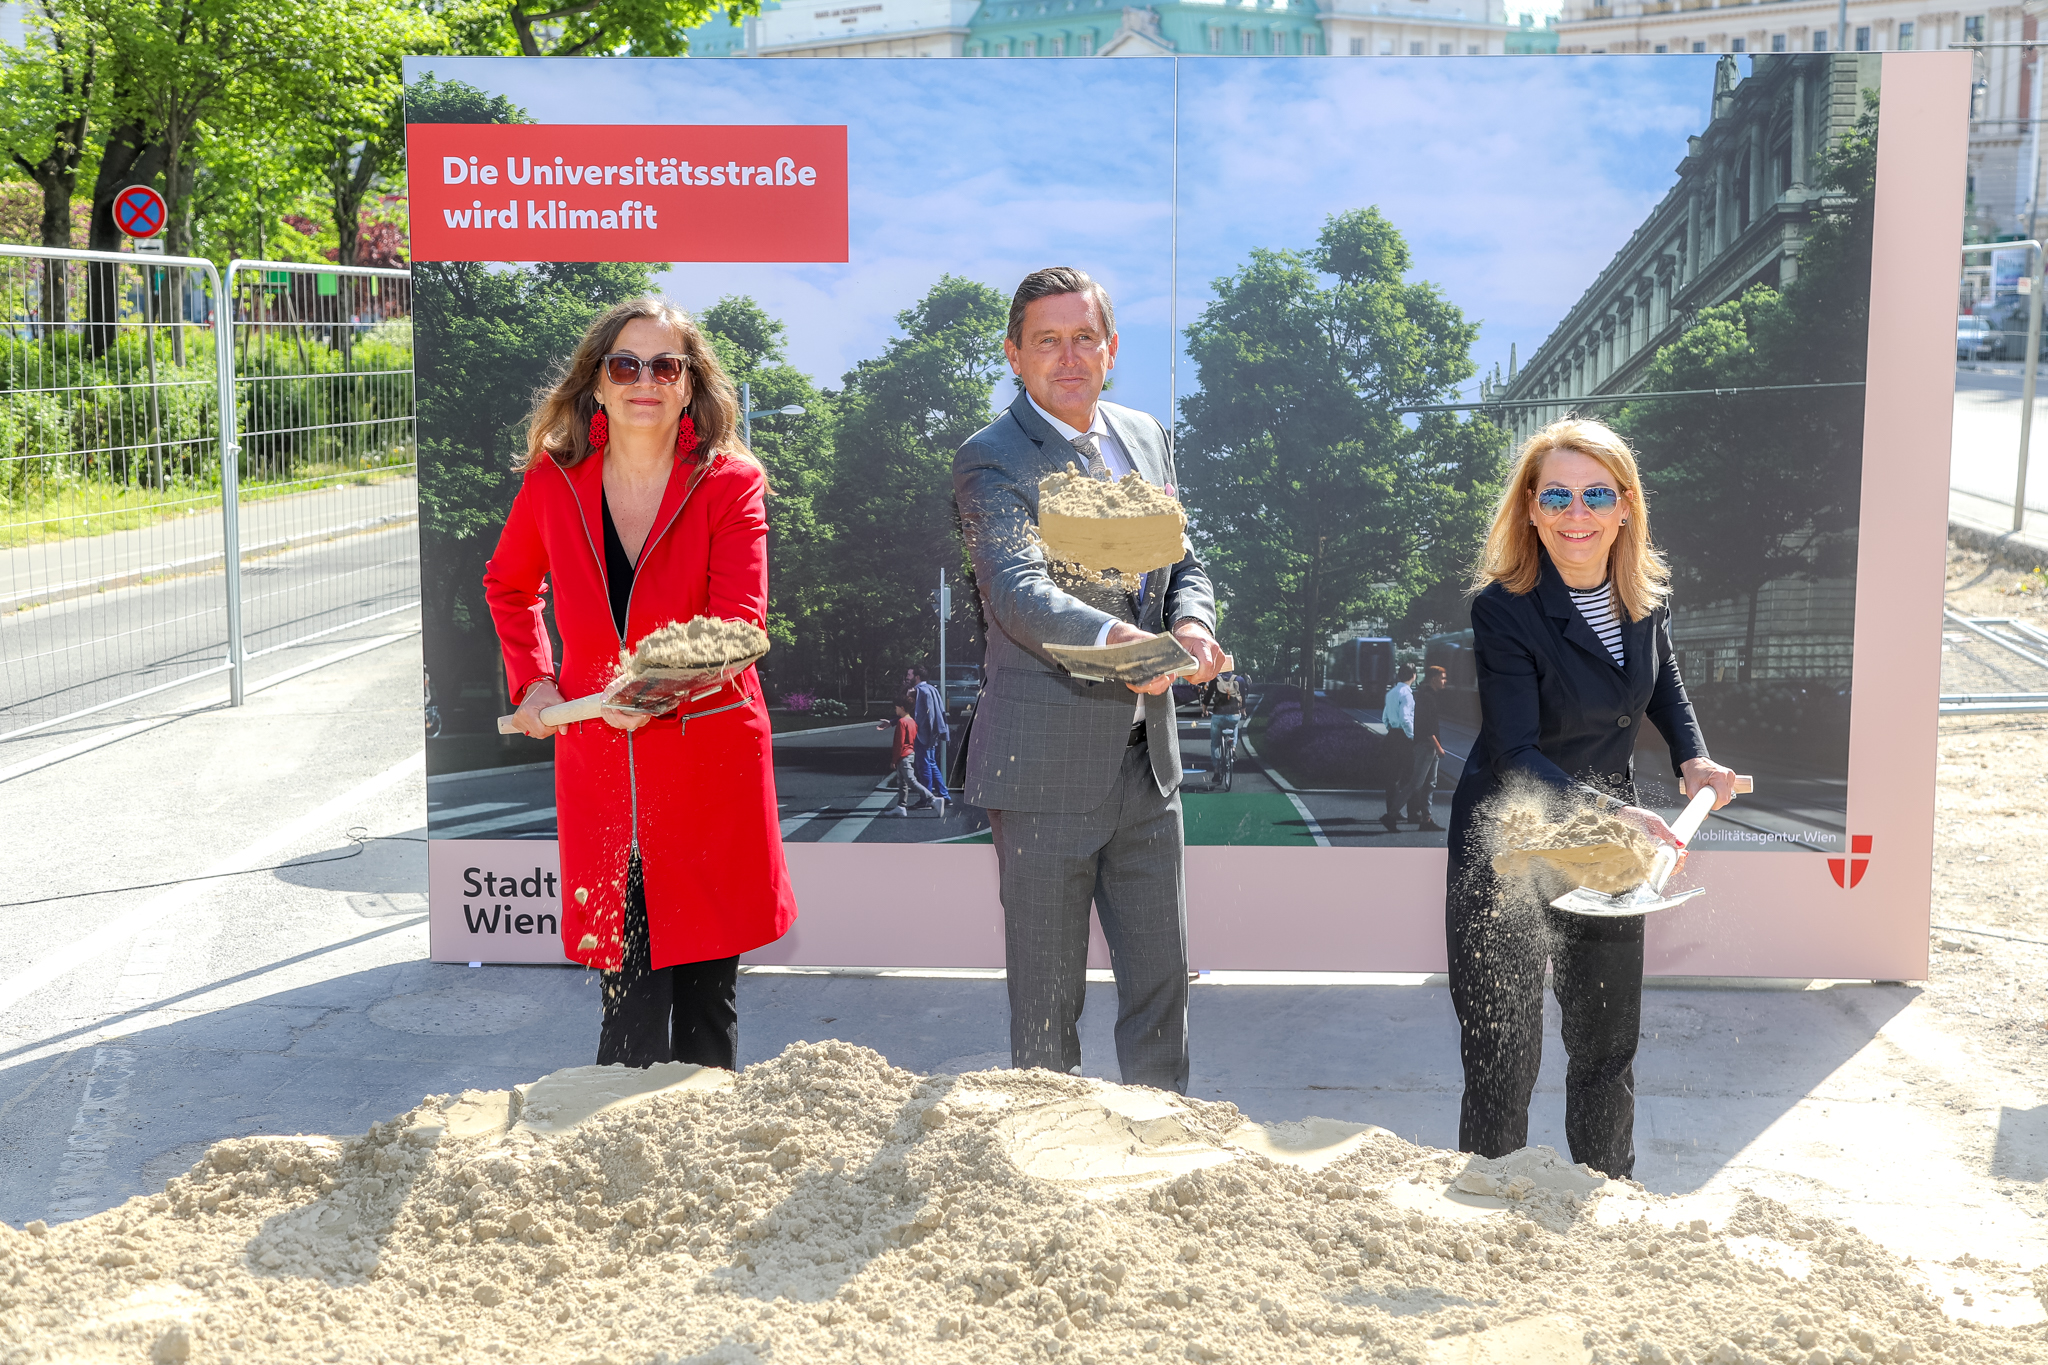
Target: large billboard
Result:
[1349, 287]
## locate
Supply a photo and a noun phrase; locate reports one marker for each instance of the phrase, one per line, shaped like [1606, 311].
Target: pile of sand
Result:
[700, 643]
[1129, 526]
[828, 1207]
[1587, 847]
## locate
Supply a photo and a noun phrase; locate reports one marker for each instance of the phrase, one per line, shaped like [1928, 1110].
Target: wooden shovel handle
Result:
[1684, 827]
[561, 713]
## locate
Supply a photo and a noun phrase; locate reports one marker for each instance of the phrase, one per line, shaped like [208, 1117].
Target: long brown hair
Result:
[1513, 556]
[559, 427]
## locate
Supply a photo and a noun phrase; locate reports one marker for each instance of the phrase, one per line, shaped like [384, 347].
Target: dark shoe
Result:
[1428, 823]
[1392, 825]
[922, 805]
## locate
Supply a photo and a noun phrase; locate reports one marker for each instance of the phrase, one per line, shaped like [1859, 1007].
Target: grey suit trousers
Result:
[1125, 857]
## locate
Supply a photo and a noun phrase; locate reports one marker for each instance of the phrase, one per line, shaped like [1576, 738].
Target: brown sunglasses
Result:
[623, 368]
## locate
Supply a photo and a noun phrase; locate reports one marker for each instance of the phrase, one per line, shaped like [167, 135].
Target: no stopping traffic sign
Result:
[139, 211]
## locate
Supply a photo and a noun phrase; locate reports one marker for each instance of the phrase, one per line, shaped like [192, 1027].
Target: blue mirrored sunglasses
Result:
[1598, 499]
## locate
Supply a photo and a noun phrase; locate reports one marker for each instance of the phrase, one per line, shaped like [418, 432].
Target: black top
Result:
[1553, 706]
[1223, 696]
[618, 569]
[1429, 704]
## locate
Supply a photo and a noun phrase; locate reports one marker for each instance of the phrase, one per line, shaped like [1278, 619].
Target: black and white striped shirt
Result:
[1596, 605]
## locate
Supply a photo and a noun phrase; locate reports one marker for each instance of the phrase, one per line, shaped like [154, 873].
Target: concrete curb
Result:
[2013, 549]
[198, 564]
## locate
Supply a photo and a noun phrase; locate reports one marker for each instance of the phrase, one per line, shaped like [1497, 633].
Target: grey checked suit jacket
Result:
[1042, 740]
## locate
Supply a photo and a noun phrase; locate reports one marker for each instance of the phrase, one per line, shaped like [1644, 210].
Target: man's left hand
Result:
[1210, 659]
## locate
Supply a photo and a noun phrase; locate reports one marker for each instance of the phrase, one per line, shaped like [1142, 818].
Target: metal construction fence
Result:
[120, 500]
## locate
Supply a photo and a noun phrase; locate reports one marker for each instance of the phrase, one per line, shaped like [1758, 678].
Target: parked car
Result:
[2007, 319]
[1975, 339]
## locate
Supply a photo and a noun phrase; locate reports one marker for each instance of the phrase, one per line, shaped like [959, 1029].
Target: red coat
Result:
[697, 795]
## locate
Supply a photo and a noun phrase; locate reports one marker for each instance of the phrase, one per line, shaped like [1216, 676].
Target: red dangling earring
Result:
[600, 431]
[686, 438]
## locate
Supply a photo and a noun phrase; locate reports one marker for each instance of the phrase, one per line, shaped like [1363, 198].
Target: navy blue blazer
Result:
[1553, 704]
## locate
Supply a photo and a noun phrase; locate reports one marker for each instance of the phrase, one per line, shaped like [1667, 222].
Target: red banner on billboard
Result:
[629, 192]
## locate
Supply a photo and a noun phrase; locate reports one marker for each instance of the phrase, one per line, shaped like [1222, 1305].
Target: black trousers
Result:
[1499, 939]
[685, 1013]
[1400, 757]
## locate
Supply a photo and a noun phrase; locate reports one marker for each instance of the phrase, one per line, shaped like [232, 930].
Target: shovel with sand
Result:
[681, 660]
[1646, 896]
[1128, 526]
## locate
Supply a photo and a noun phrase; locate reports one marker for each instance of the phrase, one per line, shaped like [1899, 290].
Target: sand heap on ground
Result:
[1128, 526]
[702, 642]
[829, 1207]
[1590, 848]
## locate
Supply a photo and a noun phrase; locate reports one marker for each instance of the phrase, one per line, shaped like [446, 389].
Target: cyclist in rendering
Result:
[1222, 701]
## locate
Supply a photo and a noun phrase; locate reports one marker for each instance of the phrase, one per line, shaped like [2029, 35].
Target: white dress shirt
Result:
[1112, 449]
[1400, 711]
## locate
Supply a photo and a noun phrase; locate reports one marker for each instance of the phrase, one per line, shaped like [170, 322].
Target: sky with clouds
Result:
[1514, 180]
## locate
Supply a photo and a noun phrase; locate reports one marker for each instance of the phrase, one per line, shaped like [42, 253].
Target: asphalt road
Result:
[1984, 446]
[79, 652]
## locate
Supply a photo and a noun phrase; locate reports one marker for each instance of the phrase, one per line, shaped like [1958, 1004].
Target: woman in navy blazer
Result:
[1571, 635]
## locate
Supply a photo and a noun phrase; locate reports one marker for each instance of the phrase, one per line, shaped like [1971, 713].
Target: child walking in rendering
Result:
[903, 756]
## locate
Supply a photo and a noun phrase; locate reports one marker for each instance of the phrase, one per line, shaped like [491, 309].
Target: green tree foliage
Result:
[1752, 487]
[433, 100]
[354, 128]
[486, 338]
[1315, 502]
[174, 68]
[799, 457]
[47, 91]
[578, 28]
[890, 502]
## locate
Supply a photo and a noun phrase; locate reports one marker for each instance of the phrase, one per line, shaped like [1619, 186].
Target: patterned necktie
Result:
[1085, 443]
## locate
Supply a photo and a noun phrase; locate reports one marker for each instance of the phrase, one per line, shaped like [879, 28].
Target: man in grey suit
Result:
[1081, 780]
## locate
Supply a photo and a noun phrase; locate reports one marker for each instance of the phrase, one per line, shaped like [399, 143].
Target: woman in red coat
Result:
[640, 507]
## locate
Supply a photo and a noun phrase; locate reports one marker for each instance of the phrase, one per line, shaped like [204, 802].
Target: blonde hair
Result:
[559, 427]
[1513, 555]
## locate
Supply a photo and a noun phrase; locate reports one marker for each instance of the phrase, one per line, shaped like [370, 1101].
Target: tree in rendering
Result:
[1317, 503]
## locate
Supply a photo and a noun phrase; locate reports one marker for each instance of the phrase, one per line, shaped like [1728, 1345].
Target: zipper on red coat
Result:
[632, 773]
[632, 779]
[632, 786]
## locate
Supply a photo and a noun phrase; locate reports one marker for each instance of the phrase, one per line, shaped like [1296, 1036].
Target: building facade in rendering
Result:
[1738, 216]
[1109, 28]
[2005, 147]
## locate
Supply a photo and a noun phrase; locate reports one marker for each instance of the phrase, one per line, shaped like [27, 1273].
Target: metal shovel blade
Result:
[1639, 900]
[658, 691]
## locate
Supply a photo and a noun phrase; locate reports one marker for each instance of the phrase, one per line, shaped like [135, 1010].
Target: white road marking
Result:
[513, 821]
[460, 811]
[791, 824]
[102, 1110]
[1315, 830]
[849, 829]
[1288, 789]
